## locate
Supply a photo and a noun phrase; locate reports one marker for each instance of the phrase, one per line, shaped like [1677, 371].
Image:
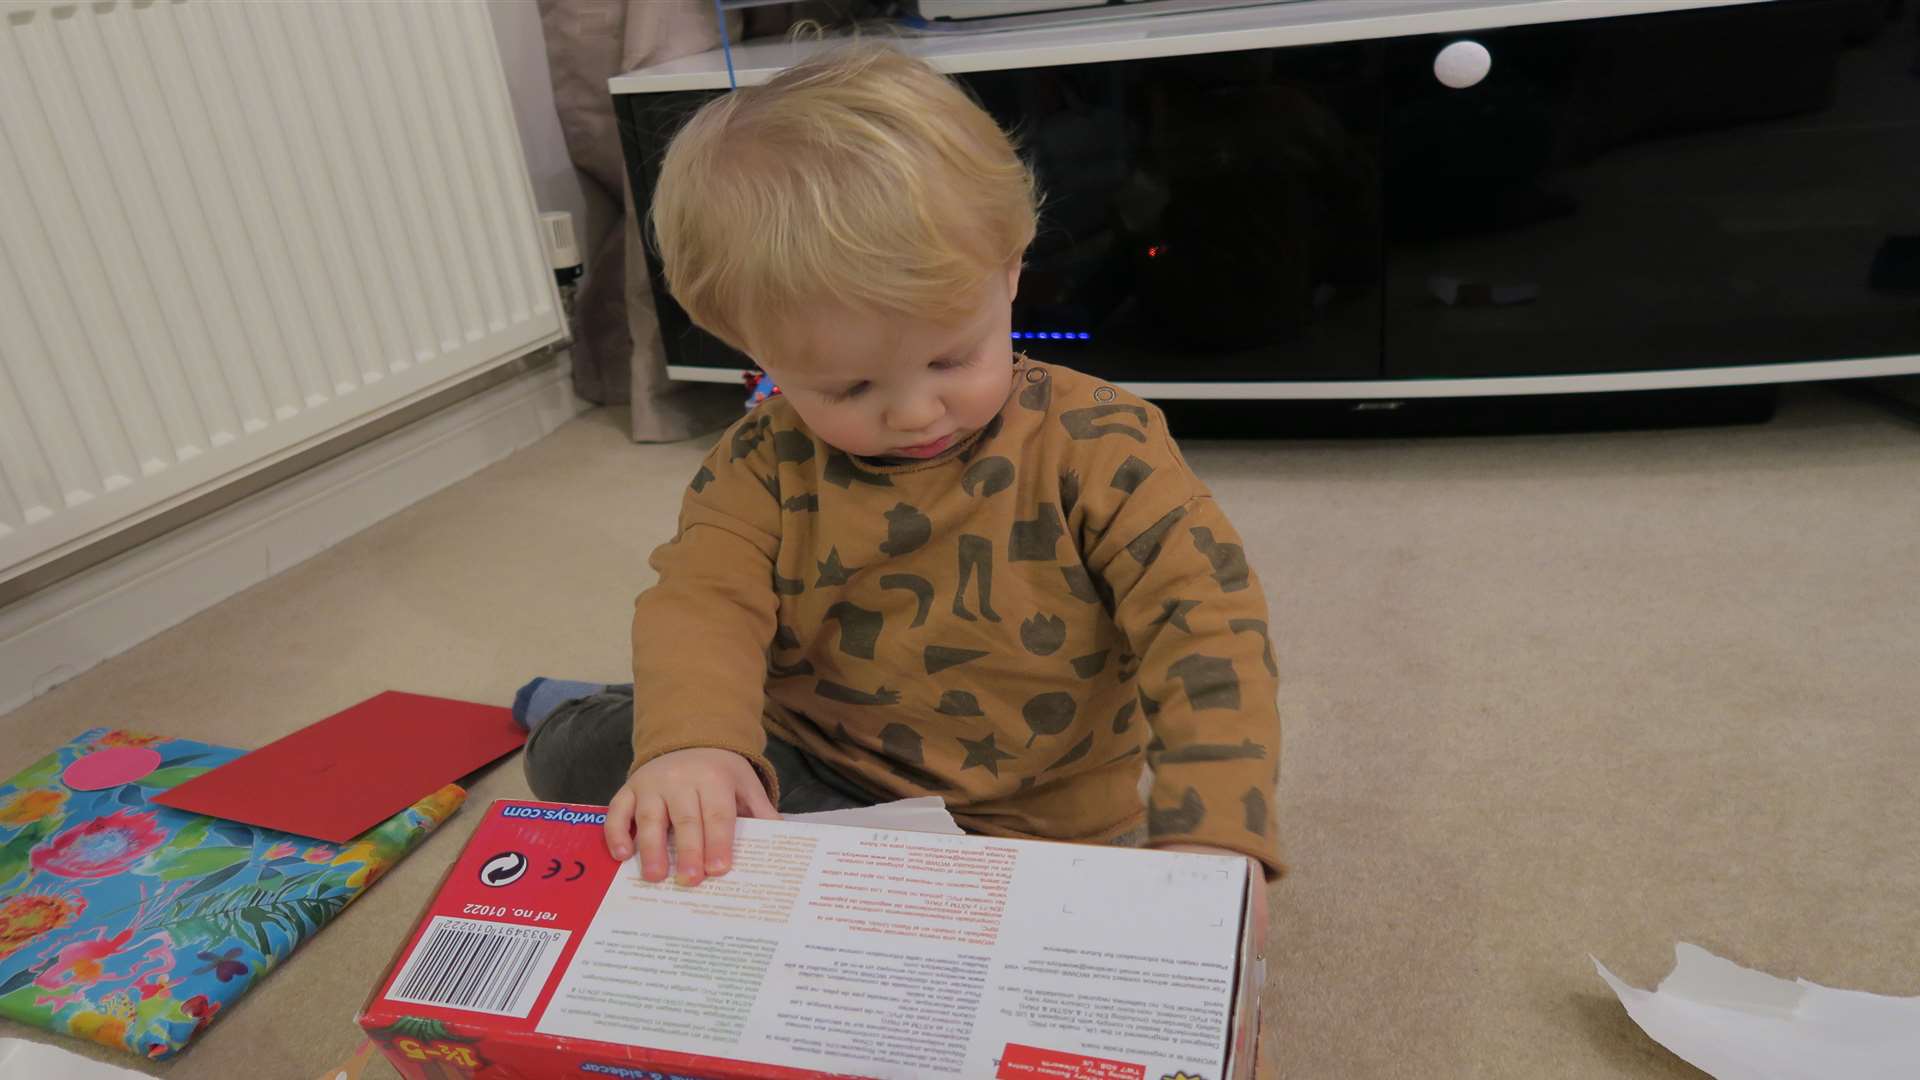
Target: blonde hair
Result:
[860, 178]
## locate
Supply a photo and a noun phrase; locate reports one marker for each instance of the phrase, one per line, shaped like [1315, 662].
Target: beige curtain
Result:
[617, 353]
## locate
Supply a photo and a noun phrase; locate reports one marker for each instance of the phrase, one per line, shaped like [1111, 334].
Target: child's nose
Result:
[914, 415]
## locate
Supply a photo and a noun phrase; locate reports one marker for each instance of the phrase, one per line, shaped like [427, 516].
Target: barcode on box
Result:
[486, 967]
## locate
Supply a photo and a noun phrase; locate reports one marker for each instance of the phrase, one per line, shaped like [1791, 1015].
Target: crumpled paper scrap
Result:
[1738, 1024]
[927, 814]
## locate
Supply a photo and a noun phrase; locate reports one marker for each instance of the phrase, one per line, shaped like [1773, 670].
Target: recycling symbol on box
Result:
[503, 869]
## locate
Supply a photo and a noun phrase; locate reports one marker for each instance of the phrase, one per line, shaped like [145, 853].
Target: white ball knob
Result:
[1462, 64]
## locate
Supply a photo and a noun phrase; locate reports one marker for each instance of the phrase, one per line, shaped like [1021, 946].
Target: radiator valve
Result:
[563, 255]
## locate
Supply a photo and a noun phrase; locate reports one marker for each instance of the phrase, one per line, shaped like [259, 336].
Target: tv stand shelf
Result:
[1405, 199]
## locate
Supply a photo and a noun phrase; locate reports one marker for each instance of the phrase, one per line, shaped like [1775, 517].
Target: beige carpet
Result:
[1547, 697]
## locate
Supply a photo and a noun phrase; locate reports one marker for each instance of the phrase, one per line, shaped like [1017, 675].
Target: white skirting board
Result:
[61, 631]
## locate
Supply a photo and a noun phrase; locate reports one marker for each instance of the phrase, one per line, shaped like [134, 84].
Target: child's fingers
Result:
[753, 794]
[689, 853]
[717, 814]
[619, 826]
[650, 836]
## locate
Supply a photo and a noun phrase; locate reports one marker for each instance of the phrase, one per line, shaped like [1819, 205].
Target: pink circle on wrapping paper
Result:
[111, 767]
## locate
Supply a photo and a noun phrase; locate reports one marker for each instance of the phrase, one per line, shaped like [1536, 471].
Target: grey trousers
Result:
[583, 751]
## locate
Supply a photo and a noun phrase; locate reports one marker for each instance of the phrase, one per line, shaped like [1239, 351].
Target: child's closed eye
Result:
[953, 364]
[848, 394]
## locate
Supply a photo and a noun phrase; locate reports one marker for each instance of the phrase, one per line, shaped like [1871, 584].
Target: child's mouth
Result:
[926, 449]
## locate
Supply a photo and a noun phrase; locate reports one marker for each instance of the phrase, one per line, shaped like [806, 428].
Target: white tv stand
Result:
[1695, 193]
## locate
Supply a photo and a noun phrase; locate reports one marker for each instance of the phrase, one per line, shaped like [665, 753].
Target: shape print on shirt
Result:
[959, 703]
[785, 639]
[859, 628]
[1256, 804]
[701, 479]
[841, 472]
[1228, 560]
[986, 436]
[1038, 392]
[983, 754]
[1069, 491]
[976, 561]
[787, 586]
[922, 591]
[771, 482]
[1146, 547]
[1043, 634]
[907, 530]
[1209, 680]
[1198, 752]
[1049, 714]
[1123, 719]
[1130, 475]
[1174, 613]
[1085, 423]
[1148, 706]
[1080, 584]
[1035, 540]
[1257, 626]
[747, 437]
[906, 756]
[788, 671]
[1079, 751]
[941, 657]
[803, 504]
[1091, 664]
[832, 571]
[902, 743]
[792, 447]
[991, 475]
[847, 695]
[1177, 819]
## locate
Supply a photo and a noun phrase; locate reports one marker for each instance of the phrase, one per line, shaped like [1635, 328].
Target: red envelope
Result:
[336, 779]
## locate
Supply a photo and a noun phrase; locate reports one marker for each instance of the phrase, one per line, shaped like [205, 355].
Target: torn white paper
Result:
[927, 814]
[23, 1060]
[1738, 1024]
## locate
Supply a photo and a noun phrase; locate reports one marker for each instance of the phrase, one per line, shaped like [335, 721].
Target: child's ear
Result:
[1013, 280]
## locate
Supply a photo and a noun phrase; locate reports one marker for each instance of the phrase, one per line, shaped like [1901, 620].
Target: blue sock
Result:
[536, 701]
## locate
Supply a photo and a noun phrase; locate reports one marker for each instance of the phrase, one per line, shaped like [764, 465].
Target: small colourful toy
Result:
[760, 386]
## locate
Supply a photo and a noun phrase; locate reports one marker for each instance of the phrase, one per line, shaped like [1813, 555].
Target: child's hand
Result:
[698, 793]
[1259, 873]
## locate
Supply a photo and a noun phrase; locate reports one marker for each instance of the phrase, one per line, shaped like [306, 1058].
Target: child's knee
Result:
[581, 752]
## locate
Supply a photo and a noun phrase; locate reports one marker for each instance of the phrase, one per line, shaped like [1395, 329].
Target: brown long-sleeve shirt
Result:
[1019, 625]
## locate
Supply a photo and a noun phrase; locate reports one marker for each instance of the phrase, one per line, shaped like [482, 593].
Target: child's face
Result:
[892, 386]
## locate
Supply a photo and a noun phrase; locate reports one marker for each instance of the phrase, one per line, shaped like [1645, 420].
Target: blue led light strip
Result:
[1051, 335]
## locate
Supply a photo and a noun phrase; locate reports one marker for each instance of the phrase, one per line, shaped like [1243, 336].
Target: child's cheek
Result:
[848, 430]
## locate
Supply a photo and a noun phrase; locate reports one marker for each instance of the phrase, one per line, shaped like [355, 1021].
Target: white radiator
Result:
[230, 230]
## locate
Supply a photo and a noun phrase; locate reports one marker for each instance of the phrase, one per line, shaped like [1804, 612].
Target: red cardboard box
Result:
[828, 951]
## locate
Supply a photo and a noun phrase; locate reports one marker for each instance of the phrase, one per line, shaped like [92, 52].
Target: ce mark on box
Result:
[508, 867]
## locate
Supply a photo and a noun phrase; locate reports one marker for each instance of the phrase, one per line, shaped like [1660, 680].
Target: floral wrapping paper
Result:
[134, 925]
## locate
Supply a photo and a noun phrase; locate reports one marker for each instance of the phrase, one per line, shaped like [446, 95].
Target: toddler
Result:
[931, 566]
